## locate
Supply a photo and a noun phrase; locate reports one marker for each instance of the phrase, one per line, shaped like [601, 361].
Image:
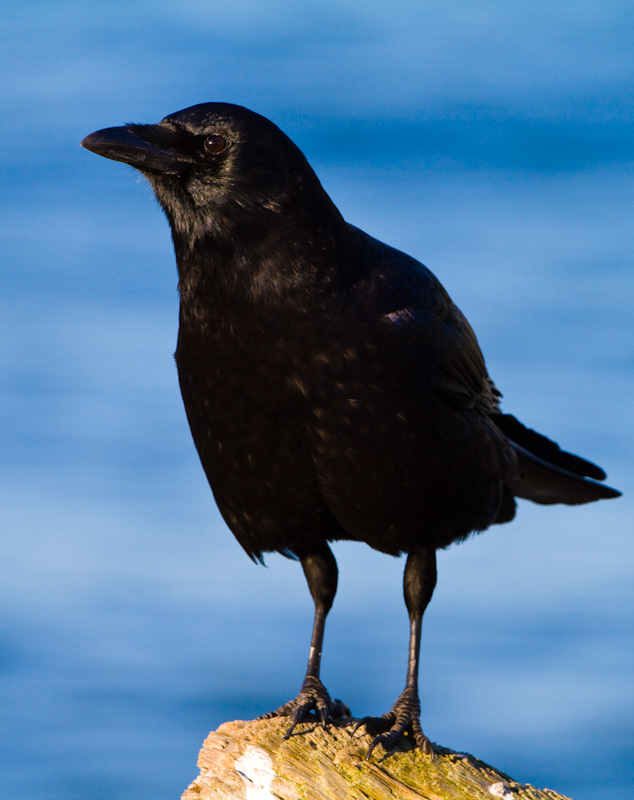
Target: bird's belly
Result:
[398, 479]
[258, 462]
[360, 456]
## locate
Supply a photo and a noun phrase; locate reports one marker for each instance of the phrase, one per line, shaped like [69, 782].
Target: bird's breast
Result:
[246, 403]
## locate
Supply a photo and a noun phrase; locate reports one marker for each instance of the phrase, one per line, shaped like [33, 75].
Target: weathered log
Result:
[251, 761]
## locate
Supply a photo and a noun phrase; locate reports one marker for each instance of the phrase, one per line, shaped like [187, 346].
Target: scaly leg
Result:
[419, 581]
[320, 569]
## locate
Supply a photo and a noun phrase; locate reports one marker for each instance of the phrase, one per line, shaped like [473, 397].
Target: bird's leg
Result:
[419, 581]
[320, 569]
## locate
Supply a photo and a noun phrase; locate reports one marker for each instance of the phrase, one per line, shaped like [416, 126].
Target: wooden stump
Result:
[250, 761]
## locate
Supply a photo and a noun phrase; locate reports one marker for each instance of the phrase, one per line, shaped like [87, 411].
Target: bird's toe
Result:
[404, 718]
[312, 698]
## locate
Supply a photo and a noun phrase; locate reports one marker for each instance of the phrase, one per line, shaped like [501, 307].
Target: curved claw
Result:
[298, 716]
[376, 725]
[403, 718]
[322, 714]
[373, 744]
[388, 739]
[312, 697]
[288, 733]
[358, 724]
[422, 742]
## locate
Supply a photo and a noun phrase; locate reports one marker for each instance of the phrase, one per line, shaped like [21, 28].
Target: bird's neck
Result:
[279, 268]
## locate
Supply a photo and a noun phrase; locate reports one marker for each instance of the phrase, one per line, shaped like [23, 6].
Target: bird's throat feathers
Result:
[232, 257]
[217, 272]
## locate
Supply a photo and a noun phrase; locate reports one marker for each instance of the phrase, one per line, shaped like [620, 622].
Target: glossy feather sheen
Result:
[332, 388]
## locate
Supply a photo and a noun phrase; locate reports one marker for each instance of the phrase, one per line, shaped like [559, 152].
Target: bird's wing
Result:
[405, 296]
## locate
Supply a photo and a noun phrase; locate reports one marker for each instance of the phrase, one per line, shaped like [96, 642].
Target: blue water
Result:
[492, 141]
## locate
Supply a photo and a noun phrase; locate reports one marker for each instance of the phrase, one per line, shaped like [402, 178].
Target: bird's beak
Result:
[126, 145]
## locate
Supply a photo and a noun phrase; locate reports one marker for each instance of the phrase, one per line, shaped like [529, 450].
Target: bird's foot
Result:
[403, 718]
[312, 697]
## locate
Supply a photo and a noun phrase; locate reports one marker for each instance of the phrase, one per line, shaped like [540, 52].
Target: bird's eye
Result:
[215, 143]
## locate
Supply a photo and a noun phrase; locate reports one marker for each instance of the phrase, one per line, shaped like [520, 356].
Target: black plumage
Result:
[332, 388]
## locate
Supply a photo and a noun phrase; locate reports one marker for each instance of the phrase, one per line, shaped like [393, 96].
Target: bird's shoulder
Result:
[389, 281]
[400, 294]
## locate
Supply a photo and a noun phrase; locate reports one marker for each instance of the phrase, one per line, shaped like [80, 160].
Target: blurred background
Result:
[493, 141]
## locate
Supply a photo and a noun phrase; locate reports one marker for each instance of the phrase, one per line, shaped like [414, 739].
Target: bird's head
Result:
[213, 166]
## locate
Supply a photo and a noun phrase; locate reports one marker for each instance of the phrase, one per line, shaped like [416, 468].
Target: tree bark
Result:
[250, 761]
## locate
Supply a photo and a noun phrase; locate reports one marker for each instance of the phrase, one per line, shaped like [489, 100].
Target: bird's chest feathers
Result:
[244, 386]
[236, 369]
[243, 374]
[247, 328]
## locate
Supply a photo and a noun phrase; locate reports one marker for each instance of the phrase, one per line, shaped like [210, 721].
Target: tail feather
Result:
[547, 474]
[544, 448]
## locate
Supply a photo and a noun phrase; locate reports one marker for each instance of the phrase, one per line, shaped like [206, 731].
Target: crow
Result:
[332, 388]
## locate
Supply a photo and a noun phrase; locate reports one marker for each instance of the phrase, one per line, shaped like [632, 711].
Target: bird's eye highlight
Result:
[215, 143]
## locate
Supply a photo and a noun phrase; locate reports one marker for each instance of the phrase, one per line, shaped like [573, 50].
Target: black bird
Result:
[332, 388]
